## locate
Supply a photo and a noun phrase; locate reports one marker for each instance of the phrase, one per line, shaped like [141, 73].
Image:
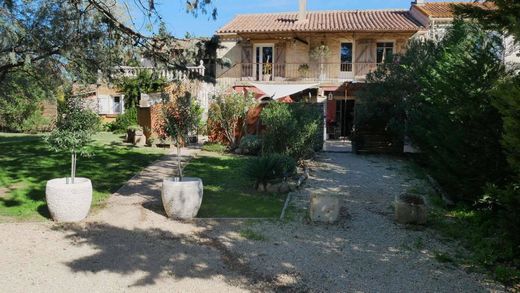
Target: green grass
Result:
[26, 163]
[252, 235]
[214, 147]
[228, 193]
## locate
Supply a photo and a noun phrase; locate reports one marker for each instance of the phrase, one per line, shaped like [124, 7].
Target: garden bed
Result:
[228, 193]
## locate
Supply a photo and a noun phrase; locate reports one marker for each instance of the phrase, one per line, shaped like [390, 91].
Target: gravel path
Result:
[365, 251]
[130, 246]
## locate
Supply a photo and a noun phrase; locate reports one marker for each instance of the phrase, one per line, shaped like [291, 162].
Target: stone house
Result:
[321, 56]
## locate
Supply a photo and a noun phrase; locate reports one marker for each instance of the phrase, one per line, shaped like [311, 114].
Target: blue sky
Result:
[178, 22]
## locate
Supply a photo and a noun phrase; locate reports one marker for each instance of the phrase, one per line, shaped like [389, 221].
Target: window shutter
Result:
[104, 104]
[365, 60]
[279, 64]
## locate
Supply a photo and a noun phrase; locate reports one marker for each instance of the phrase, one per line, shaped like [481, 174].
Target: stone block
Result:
[410, 209]
[325, 207]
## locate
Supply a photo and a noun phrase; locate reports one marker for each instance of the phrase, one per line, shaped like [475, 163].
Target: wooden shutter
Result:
[104, 104]
[247, 60]
[365, 60]
[279, 64]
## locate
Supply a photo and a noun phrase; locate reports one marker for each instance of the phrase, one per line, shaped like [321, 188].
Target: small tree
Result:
[229, 111]
[180, 118]
[74, 129]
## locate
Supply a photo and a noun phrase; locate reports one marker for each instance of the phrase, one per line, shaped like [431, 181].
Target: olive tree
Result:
[74, 129]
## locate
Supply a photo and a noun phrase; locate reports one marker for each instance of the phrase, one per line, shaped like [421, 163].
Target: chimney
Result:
[303, 10]
[419, 2]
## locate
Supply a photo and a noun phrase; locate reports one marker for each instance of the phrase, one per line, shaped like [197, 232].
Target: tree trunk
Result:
[72, 167]
[179, 161]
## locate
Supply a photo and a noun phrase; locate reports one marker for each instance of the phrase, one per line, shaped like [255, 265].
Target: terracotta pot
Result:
[69, 202]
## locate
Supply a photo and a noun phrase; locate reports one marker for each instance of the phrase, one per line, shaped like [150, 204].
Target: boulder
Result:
[410, 209]
[325, 208]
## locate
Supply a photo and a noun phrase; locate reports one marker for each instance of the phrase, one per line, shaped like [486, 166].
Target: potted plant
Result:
[303, 70]
[267, 71]
[69, 199]
[181, 196]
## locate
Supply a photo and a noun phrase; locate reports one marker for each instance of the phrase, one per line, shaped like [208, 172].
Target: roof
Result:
[445, 9]
[323, 21]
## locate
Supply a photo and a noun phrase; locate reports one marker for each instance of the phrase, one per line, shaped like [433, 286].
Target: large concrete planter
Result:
[182, 199]
[410, 209]
[69, 202]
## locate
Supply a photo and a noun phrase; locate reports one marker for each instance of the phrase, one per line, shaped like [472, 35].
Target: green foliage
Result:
[291, 129]
[229, 112]
[227, 192]
[504, 17]
[270, 167]
[440, 96]
[181, 118]
[74, 128]
[21, 96]
[214, 147]
[35, 123]
[123, 121]
[252, 143]
[507, 101]
[145, 82]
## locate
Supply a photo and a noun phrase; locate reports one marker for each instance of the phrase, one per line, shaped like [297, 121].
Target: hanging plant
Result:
[320, 52]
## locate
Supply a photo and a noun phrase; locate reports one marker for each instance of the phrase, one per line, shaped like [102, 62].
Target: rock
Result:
[238, 151]
[139, 140]
[273, 188]
[410, 209]
[325, 208]
[284, 188]
[260, 188]
[293, 185]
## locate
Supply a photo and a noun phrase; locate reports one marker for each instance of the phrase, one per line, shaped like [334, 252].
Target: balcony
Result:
[287, 72]
[166, 74]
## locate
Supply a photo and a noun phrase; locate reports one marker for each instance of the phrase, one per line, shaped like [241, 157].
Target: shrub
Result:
[229, 112]
[36, 122]
[251, 143]
[123, 121]
[269, 167]
[440, 96]
[291, 129]
[214, 147]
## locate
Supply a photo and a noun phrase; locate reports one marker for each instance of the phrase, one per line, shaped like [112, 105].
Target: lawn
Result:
[26, 164]
[227, 192]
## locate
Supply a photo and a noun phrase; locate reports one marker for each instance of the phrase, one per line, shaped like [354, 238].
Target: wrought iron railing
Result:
[296, 71]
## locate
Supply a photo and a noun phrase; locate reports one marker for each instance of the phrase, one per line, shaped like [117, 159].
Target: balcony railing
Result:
[166, 74]
[287, 72]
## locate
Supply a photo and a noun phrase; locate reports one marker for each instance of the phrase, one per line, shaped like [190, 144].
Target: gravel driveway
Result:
[132, 246]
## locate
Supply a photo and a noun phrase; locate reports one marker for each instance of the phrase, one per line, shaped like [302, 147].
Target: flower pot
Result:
[182, 199]
[410, 209]
[69, 202]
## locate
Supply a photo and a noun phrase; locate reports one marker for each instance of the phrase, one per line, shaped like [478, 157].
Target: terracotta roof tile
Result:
[445, 9]
[319, 21]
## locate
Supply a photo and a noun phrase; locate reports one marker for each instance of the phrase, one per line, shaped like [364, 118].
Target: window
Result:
[346, 56]
[385, 52]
